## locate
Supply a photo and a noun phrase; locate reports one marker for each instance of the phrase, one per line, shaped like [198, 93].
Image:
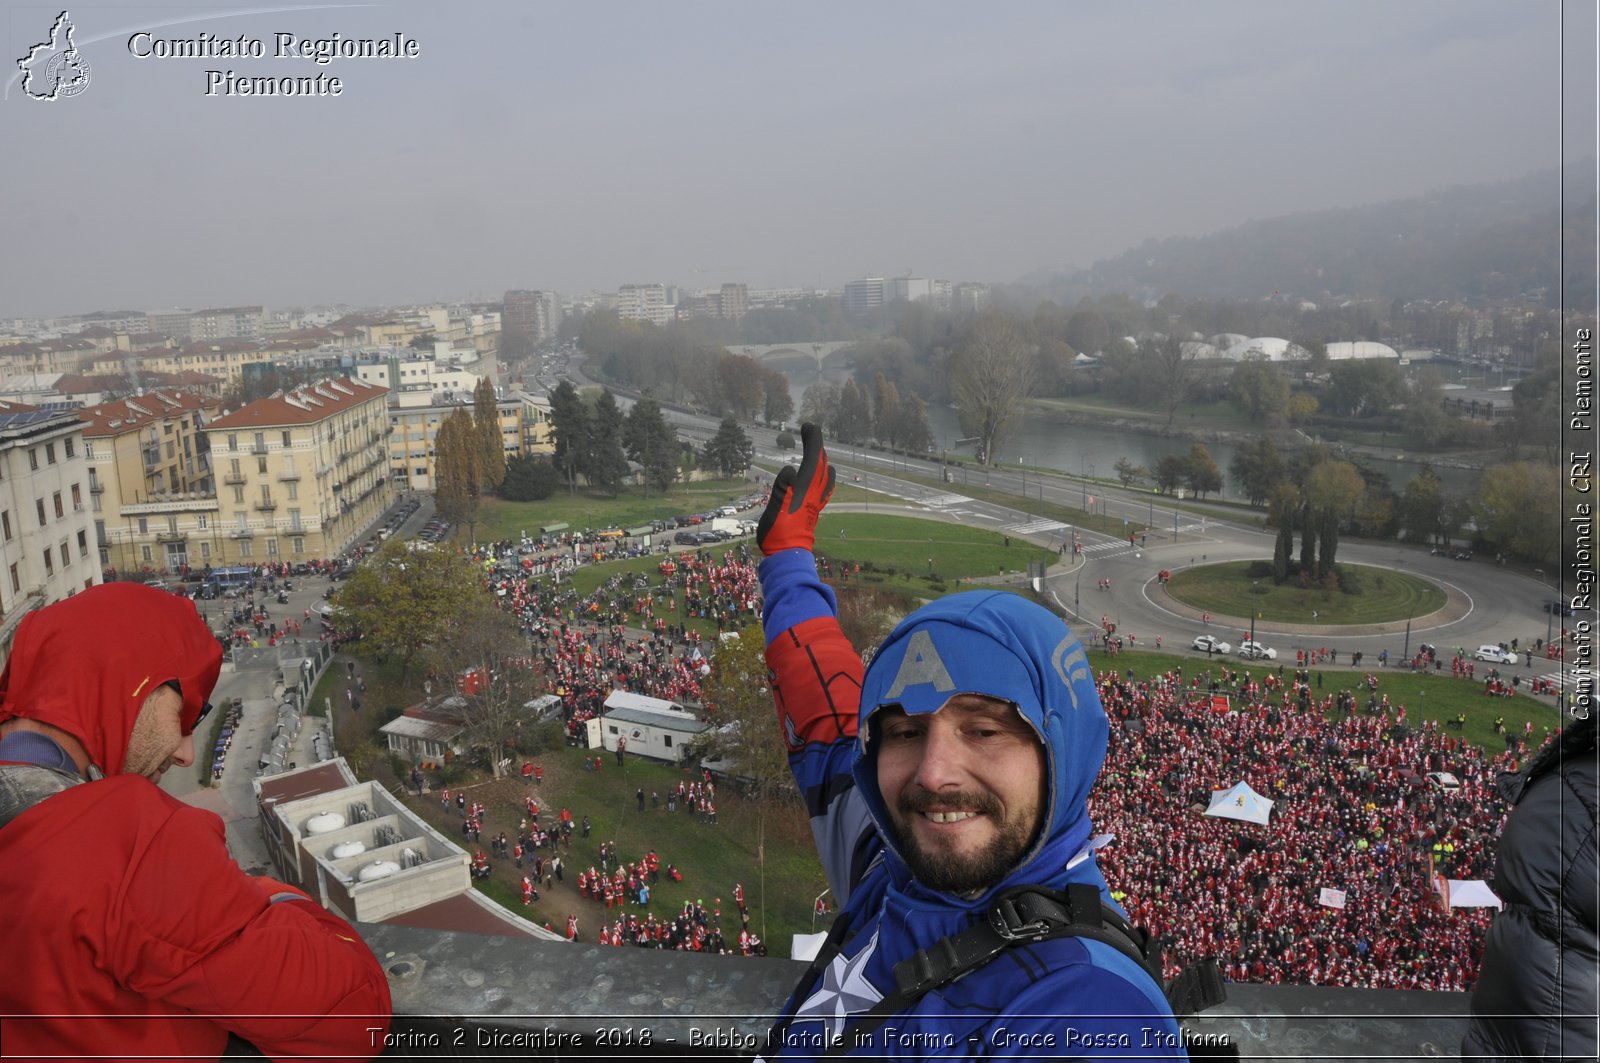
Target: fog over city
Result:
[584, 146]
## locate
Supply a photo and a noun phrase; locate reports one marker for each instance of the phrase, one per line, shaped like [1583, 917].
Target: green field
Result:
[498, 519]
[1386, 596]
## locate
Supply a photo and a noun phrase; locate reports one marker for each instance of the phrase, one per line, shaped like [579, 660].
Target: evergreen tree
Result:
[730, 451]
[529, 478]
[651, 442]
[608, 466]
[571, 428]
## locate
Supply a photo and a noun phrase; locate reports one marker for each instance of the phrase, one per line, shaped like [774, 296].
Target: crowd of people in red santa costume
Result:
[1354, 813]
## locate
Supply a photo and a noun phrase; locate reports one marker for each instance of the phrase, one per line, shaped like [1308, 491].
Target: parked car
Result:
[1211, 644]
[1256, 651]
[686, 538]
[1494, 655]
[1462, 555]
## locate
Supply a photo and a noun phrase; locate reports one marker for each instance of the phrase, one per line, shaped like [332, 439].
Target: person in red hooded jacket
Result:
[131, 932]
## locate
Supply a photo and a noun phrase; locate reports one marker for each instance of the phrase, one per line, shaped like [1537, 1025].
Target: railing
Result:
[266, 505]
[233, 478]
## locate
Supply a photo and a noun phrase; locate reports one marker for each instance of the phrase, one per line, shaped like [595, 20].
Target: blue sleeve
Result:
[792, 592]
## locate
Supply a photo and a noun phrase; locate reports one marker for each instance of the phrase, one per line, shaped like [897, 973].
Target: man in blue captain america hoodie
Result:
[956, 767]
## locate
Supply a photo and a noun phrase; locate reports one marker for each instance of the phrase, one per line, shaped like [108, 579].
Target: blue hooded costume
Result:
[1062, 998]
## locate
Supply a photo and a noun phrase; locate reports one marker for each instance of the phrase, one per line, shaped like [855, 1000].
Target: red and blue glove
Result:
[798, 495]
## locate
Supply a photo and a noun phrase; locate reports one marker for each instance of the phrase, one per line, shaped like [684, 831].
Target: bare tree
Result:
[482, 647]
[991, 376]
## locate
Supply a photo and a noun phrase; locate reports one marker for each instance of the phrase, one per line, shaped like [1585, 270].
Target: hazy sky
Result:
[585, 145]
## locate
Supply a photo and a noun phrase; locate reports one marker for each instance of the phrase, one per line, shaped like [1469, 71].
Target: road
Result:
[1488, 603]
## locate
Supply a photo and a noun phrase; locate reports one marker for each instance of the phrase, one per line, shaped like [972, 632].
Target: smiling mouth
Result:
[949, 817]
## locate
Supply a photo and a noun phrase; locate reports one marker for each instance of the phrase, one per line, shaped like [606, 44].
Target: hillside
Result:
[1467, 243]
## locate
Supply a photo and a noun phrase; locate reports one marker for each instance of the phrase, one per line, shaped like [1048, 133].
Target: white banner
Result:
[1331, 898]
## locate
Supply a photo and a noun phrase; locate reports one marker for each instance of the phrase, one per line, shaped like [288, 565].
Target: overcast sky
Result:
[585, 145]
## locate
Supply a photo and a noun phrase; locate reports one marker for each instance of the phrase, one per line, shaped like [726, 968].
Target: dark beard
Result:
[949, 873]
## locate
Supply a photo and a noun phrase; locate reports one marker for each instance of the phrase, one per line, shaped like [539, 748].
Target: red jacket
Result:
[132, 933]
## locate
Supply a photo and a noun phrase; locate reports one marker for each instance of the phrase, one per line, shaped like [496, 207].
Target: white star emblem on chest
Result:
[844, 992]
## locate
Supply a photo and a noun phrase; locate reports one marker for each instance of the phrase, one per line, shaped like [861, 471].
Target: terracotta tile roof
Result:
[123, 415]
[306, 404]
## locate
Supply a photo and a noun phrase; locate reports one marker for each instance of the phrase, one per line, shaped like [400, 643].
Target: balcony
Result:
[235, 478]
[266, 505]
[288, 476]
[172, 537]
[96, 487]
[258, 448]
[242, 533]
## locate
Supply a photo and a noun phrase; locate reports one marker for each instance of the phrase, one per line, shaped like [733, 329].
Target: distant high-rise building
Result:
[910, 289]
[864, 295]
[733, 301]
[644, 302]
[970, 296]
[537, 314]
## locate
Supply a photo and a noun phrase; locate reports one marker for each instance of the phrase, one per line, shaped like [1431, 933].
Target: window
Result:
[244, 548]
[293, 488]
[261, 441]
[40, 503]
[56, 498]
[286, 441]
[83, 544]
[202, 521]
[77, 498]
[33, 458]
[668, 740]
[66, 555]
[297, 542]
[272, 548]
[16, 580]
[233, 441]
[261, 466]
[50, 564]
[69, 448]
[238, 495]
[50, 453]
[5, 524]
[172, 525]
[144, 552]
[266, 494]
[205, 551]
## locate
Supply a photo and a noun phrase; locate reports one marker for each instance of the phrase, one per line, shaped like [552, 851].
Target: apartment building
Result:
[45, 552]
[524, 429]
[536, 314]
[149, 477]
[644, 302]
[302, 474]
[228, 322]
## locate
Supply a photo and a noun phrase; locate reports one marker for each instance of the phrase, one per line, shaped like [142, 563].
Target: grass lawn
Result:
[779, 891]
[1385, 596]
[499, 519]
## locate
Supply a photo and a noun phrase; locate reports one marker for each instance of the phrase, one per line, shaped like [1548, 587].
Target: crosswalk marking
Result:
[1028, 528]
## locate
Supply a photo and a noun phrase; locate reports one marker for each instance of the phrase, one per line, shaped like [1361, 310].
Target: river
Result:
[1040, 440]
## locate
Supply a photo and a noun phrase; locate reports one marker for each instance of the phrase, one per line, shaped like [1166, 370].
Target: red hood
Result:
[87, 664]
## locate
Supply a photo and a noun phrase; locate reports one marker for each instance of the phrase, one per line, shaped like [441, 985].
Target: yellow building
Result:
[150, 485]
[303, 474]
[524, 429]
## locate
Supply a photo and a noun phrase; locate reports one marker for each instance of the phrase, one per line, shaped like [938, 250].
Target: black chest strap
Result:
[1020, 916]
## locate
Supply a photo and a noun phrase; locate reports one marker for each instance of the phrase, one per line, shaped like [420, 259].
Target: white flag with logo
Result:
[1331, 898]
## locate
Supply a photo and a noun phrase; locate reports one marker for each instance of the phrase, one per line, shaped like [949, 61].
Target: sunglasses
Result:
[205, 706]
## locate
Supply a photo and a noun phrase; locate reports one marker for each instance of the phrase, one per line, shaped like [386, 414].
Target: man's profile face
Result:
[964, 787]
[158, 741]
